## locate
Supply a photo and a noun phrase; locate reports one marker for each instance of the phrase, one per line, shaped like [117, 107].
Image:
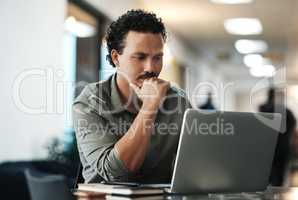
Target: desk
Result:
[272, 193]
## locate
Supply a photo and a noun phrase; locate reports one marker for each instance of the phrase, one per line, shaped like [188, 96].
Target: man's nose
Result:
[150, 66]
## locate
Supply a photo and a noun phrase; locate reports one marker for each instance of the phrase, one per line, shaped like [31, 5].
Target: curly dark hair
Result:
[132, 20]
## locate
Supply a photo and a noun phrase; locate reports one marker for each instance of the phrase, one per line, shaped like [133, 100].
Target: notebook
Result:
[134, 197]
[119, 189]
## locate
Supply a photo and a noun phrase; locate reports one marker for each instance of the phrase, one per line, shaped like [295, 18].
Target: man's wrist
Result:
[150, 106]
[149, 110]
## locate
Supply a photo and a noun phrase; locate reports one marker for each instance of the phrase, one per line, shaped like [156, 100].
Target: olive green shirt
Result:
[100, 120]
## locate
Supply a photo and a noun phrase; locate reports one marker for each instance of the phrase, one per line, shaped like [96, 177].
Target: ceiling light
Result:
[231, 1]
[251, 46]
[243, 26]
[253, 60]
[263, 71]
[78, 28]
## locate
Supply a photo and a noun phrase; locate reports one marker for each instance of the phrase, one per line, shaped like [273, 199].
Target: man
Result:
[276, 104]
[128, 126]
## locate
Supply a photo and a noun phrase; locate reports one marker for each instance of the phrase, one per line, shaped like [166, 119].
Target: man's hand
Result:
[152, 92]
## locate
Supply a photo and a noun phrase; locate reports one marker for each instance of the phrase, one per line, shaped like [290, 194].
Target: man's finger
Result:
[135, 88]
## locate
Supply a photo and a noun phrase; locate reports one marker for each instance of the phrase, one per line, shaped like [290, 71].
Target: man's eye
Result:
[158, 57]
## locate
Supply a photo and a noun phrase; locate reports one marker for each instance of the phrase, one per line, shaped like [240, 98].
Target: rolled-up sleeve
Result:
[96, 146]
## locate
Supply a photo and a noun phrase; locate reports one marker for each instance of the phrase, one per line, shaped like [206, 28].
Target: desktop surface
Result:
[271, 193]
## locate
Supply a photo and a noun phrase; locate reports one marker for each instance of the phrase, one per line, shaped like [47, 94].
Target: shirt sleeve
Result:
[96, 145]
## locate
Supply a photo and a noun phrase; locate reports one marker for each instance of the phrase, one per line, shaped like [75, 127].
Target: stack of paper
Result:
[123, 192]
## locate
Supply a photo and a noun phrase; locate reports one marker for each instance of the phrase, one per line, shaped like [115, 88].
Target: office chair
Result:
[79, 176]
[44, 186]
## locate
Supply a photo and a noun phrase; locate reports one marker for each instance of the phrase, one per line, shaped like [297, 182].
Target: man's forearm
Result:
[133, 145]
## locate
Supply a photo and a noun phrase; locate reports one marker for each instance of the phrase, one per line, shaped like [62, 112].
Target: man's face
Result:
[141, 57]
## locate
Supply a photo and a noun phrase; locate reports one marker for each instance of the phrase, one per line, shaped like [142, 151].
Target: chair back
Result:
[44, 186]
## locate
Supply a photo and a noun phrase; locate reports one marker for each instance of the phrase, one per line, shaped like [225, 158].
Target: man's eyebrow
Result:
[140, 54]
[159, 54]
[145, 54]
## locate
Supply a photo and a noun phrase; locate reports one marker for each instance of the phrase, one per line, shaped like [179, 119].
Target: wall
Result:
[31, 38]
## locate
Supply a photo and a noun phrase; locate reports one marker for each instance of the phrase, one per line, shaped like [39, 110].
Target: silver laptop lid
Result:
[225, 152]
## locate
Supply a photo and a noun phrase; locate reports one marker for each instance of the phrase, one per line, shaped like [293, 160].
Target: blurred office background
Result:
[50, 49]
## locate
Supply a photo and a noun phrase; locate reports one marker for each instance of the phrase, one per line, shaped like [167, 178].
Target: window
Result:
[106, 68]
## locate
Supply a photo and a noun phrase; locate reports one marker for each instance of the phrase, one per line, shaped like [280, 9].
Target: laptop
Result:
[224, 152]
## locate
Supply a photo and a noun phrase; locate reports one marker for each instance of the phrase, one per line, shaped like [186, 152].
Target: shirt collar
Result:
[117, 105]
[116, 102]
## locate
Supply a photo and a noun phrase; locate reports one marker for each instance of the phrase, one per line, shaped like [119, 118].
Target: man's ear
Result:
[115, 57]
